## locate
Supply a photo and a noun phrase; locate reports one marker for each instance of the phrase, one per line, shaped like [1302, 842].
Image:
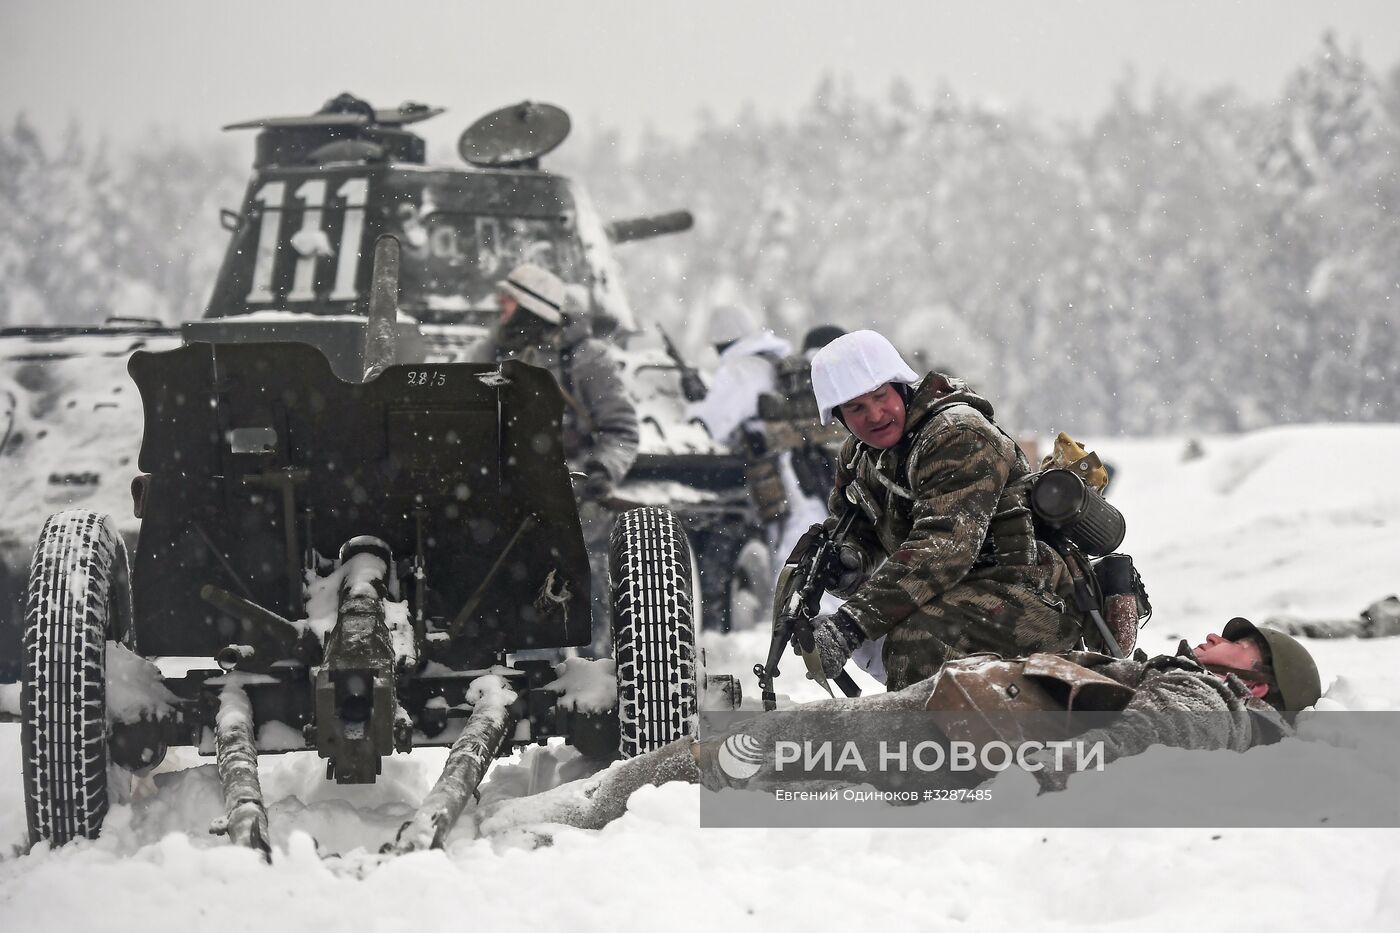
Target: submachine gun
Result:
[800, 592]
[692, 386]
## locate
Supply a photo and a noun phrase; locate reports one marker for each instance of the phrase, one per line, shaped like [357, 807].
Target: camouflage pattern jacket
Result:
[952, 566]
[600, 421]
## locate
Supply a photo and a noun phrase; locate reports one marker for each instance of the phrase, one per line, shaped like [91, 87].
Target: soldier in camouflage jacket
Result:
[950, 566]
[600, 425]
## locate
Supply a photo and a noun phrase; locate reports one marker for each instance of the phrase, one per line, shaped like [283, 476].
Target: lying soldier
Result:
[1261, 675]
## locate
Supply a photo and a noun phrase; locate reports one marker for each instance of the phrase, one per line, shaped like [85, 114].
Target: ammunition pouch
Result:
[766, 488]
[1118, 576]
[763, 478]
[1010, 540]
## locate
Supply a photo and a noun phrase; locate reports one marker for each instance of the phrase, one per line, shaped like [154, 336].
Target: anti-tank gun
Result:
[363, 562]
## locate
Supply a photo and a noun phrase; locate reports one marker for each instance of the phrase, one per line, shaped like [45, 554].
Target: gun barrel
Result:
[355, 702]
[642, 228]
[381, 341]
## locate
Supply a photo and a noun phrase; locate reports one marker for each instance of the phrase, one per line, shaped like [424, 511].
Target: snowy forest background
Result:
[1183, 262]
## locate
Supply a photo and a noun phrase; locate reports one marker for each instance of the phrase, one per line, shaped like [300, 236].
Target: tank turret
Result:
[327, 184]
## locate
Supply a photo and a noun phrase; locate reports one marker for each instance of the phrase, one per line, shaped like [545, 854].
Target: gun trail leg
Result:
[245, 815]
[466, 765]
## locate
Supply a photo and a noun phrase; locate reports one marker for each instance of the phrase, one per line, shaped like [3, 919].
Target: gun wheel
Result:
[653, 630]
[77, 595]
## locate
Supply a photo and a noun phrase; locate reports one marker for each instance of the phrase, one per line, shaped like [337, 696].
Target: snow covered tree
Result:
[88, 233]
[1186, 261]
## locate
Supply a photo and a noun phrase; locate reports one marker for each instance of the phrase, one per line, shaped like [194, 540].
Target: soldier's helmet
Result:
[729, 323]
[537, 290]
[820, 336]
[852, 365]
[1296, 682]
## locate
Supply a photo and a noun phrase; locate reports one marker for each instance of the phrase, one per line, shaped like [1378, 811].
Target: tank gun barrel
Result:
[380, 340]
[642, 228]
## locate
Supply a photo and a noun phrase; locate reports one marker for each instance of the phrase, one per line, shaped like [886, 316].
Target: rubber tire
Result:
[77, 592]
[653, 630]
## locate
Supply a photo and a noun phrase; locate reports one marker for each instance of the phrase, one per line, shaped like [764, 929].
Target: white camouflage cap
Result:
[854, 364]
[538, 291]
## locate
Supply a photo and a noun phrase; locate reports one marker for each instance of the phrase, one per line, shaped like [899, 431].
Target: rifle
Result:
[806, 586]
[692, 386]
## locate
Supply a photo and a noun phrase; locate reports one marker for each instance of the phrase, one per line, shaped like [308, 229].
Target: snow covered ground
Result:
[1299, 521]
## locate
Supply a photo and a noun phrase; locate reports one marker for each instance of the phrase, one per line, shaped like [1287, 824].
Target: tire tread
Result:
[653, 630]
[63, 683]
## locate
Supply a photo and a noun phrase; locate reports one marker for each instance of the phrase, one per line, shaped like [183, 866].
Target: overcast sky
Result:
[192, 65]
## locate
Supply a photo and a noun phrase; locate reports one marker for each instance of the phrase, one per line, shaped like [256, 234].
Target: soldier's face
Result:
[1244, 655]
[507, 303]
[876, 418]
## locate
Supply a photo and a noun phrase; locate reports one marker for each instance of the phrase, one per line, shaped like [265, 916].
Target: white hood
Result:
[744, 373]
